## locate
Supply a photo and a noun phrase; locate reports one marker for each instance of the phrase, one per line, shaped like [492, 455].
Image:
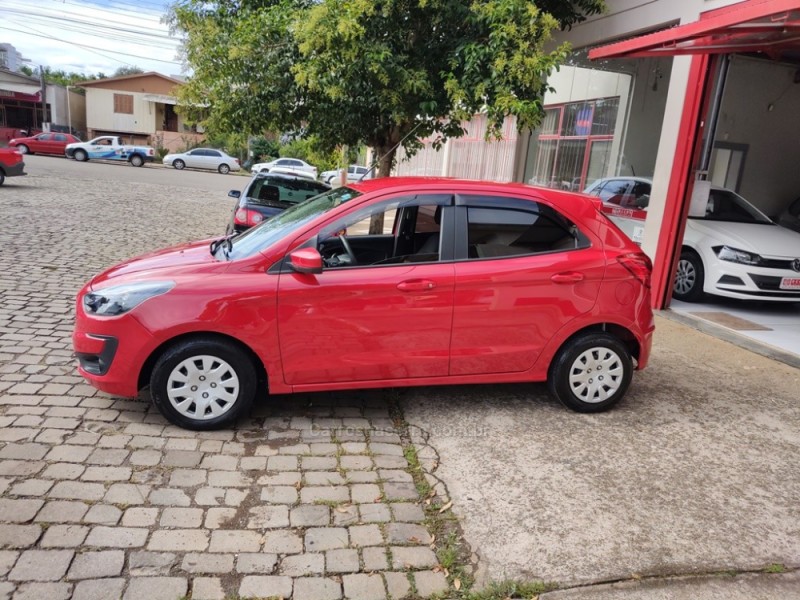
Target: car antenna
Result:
[377, 161]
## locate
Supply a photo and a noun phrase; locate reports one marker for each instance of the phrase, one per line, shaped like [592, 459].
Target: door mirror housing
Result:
[306, 260]
[234, 194]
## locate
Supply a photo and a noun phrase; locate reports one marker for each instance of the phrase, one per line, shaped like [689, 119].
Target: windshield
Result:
[270, 231]
[725, 205]
[265, 191]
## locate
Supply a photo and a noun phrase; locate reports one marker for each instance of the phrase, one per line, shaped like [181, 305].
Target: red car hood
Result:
[159, 264]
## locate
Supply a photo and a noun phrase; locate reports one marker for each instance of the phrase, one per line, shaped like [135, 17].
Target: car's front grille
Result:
[774, 263]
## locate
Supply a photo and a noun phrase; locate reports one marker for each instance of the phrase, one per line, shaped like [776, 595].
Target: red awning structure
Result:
[768, 26]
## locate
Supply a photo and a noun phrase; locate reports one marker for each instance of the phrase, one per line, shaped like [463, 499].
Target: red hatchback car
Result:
[44, 143]
[389, 282]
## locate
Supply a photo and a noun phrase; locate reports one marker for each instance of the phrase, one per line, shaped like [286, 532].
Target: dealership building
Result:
[676, 91]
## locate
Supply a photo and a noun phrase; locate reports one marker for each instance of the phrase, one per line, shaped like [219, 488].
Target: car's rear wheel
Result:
[23, 149]
[224, 169]
[203, 383]
[80, 155]
[689, 277]
[179, 164]
[591, 372]
[136, 160]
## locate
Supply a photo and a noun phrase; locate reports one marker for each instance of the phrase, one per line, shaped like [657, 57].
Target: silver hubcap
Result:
[596, 375]
[203, 387]
[685, 278]
[22, 149]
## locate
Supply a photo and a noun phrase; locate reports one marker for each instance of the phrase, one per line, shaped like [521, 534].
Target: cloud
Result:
[91, 36]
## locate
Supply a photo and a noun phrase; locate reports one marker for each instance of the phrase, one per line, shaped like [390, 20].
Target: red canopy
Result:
[769, 26]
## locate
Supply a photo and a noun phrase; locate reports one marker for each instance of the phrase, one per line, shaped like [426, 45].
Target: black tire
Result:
[689, 277]
[224, 169]
[176, 363]
[23, 149]
[179, 164]
[137, 160]
[80, 155]
[2, 177]
[575, 377]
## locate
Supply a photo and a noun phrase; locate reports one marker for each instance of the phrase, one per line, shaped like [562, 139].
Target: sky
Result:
[91, 36]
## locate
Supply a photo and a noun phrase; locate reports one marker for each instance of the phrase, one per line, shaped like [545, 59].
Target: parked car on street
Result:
[266, 195]
[734, 250]
[290, 164]
[44, 143]
[354, 173]
[11, 164]
[110, 147]
[203, 158]
[450, 281]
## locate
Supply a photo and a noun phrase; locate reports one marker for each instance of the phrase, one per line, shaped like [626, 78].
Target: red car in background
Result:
[384, 283]
[11, 164]
[44, 143]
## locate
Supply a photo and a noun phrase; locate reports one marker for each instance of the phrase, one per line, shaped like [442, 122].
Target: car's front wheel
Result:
[689, 277]
[179, 164]
[591, 372]
[224, 169]
[80, 155]
[2, 177]
[23, 149]
[203, 383]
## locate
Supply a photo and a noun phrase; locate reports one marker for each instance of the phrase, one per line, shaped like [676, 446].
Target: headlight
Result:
[119, 299]
[737, 256]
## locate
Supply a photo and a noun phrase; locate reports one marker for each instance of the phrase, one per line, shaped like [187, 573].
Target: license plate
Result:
[790, 283]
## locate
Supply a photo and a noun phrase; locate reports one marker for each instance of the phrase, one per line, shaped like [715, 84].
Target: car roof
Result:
[466, 185]
[287, 176]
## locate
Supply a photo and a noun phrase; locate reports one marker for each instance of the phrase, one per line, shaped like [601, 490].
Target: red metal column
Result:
[676, 209]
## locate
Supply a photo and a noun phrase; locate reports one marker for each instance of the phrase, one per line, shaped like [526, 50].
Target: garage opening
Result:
[740, 132]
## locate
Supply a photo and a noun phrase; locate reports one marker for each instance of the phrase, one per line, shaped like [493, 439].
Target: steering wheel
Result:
[346, 245]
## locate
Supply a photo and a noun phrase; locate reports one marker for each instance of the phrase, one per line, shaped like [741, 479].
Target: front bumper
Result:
[15, 170]
[111, 351]
[748, 282]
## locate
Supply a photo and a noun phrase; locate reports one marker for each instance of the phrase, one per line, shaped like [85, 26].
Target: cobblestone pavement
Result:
[310, 498]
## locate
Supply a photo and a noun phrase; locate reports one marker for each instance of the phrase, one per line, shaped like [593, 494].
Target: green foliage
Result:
[264, 148]
[310, 150]
[352, 72]
[122, 71]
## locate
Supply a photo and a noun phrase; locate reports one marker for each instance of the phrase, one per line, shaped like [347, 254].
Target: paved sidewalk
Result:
[101, 499]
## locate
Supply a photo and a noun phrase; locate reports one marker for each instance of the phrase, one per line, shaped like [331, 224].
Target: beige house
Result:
[141, 108]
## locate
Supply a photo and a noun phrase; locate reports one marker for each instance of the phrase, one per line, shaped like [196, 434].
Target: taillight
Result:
[245, 216]
[639, 265]
[150, 152]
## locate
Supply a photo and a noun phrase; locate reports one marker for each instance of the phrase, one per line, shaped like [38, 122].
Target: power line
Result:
[60, 19]
[85, 46]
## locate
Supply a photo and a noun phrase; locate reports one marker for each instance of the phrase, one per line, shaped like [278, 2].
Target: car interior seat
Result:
[431, 245]
[269, 193]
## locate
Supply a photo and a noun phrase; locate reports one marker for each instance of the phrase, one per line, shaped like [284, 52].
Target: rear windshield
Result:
[269, 190]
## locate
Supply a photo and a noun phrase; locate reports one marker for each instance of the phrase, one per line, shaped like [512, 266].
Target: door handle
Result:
[567, 277]
[416, 285]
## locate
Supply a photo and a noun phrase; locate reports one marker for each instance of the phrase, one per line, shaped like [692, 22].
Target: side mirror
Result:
[234, 194]
[306, 260]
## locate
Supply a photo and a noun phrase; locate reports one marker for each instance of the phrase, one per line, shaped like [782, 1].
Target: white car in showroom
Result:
[287, 165]
[735, 250]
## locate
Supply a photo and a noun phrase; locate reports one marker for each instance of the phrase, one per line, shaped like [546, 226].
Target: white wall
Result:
[771, 178]
[100, 113]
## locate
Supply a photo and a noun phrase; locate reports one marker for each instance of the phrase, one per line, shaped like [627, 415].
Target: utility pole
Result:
[43, 97]
[69, 111]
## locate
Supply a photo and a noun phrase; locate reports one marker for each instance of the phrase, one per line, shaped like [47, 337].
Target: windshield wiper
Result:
[214, 246]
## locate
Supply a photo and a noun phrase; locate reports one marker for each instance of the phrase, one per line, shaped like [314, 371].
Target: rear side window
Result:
[504, 232]
[612, 190]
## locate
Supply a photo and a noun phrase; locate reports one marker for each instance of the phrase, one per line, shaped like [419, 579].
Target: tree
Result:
[361, 71]
[131, 70]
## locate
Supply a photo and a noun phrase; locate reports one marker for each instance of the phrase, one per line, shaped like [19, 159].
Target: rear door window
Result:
[506, 232]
